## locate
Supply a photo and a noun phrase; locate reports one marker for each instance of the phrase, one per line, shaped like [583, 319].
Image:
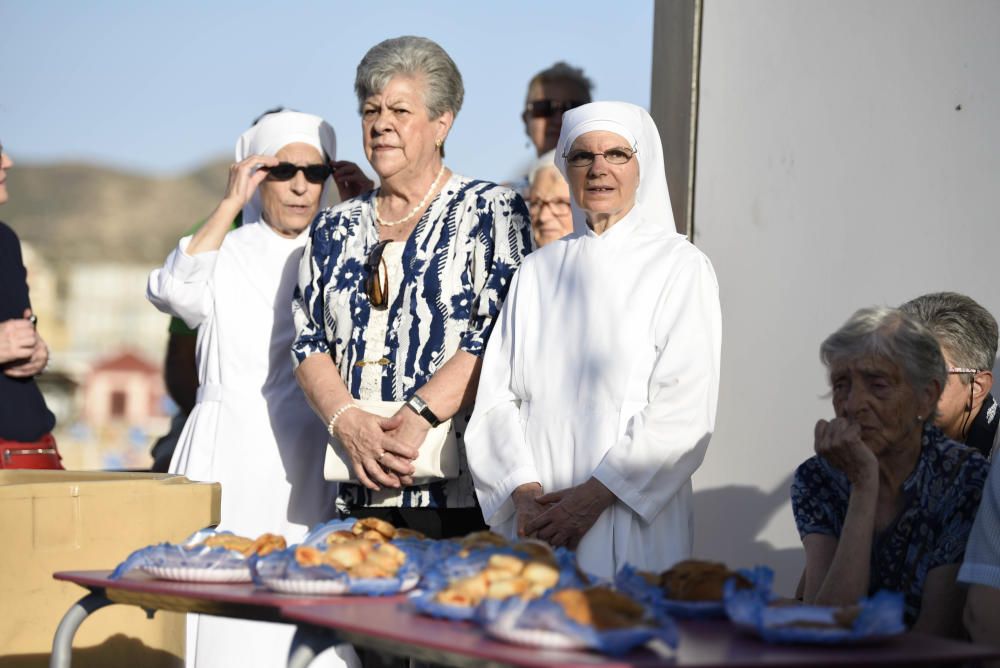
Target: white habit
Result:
[251, 429]
[605, 363]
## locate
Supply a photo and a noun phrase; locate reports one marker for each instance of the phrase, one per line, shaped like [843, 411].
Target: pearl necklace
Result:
[419, 207]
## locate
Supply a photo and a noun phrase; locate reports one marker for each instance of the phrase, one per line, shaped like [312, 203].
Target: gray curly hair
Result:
[416, 57]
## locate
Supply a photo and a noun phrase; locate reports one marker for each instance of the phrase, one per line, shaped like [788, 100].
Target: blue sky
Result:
[162, 87]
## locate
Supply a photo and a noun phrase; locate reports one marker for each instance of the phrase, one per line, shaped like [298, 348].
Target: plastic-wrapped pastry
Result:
[373, 524]
[600, 607]
[308, 556]
[695, 580]
[228, 541]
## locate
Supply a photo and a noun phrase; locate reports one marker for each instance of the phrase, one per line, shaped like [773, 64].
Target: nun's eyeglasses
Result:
[614, 156]
[549, 108]
[378, 290]
[286, 171]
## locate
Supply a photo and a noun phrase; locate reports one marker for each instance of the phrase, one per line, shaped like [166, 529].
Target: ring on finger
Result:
[380, 457]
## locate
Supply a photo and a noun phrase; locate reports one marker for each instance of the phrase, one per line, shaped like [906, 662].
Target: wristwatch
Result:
[420, 407]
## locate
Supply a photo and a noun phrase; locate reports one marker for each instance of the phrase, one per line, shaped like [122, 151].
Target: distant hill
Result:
[75, 212]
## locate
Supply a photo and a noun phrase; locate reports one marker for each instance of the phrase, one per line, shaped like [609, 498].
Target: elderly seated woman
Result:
[888, 500]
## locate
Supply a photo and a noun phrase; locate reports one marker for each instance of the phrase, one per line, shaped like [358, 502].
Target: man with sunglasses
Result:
[551, 93]
[967, 333]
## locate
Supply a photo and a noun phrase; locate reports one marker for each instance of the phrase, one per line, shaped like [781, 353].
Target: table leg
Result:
[307, 644]
[62, 643]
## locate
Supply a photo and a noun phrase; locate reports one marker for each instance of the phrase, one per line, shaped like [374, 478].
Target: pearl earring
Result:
[920, 418]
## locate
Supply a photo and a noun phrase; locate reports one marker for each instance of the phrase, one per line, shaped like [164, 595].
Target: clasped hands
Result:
[560, 518]
[23, 353]
[382, 450]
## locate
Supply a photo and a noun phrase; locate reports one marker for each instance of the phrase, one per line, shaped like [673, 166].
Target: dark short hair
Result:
[563, 71]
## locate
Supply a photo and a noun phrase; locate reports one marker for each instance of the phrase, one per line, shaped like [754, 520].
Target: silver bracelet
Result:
[333, 418]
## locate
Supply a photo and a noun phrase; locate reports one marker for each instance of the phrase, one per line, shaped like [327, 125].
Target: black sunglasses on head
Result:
[285, 171]
[549, 108]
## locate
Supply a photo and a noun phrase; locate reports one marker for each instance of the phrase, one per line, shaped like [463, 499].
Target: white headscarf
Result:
[637, 128]
[275, 131]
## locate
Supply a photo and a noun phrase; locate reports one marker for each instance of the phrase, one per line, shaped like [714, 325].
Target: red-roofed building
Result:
[123, 389]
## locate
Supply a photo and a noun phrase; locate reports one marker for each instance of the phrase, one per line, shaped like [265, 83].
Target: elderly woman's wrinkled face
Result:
[290, 206]
[603, 188]
[548, 203]
[873, 393]
[5, 164]
[399, 133]
[543, 122]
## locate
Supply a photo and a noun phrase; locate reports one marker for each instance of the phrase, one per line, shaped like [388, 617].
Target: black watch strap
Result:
[420, 407]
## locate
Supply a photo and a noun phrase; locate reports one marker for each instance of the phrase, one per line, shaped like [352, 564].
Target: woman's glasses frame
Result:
[559, 206]
[376, 281]
[613, 156]
[286, 171]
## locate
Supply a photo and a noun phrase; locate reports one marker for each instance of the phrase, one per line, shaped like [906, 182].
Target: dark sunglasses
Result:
[549, 108]
[285, 171]
[378, 291]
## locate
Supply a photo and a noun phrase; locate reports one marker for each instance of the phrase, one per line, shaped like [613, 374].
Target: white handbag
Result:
[437, 460]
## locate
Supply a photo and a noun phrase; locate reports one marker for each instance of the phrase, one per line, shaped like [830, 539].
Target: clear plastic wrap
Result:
[632, 583]
[543, 623]
[279, 571]
[444, 568]
[874, 619]
[190, 561]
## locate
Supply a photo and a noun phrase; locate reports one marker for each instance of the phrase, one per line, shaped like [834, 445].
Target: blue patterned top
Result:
[457, 266]
[941, 497]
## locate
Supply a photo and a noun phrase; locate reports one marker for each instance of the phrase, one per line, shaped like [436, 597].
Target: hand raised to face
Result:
[839, 442]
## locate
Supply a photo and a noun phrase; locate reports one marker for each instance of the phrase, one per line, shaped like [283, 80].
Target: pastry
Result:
[265, 545]
[308, 556]
[541, 574]
[341, 536]
[228, 541]
[694, 580]
[382, 527]
[600, 607]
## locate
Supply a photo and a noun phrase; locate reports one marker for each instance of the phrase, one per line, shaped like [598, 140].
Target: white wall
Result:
[834, 171]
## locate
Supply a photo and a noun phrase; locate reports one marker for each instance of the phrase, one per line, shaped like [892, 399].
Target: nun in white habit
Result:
[599, 385]
[251, 429]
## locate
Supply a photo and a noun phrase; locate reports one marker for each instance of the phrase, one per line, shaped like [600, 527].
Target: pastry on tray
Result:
[600, 607]
[503, 577]
[695, 580]
[265, 544]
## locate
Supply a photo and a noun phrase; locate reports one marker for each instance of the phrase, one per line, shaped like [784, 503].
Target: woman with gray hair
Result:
[888, 500]
[398, 291]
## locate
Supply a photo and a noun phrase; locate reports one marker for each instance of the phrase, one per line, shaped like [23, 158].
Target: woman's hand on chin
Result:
[350, 180]
[570, 513]
[839, 443]
[378, 457]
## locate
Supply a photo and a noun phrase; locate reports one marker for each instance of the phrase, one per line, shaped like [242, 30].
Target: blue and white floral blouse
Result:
[941, 497]
[457, 266]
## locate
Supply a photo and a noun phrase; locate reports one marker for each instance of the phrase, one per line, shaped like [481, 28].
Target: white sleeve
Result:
[181, 287]
[498, 455]
[665, 443]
